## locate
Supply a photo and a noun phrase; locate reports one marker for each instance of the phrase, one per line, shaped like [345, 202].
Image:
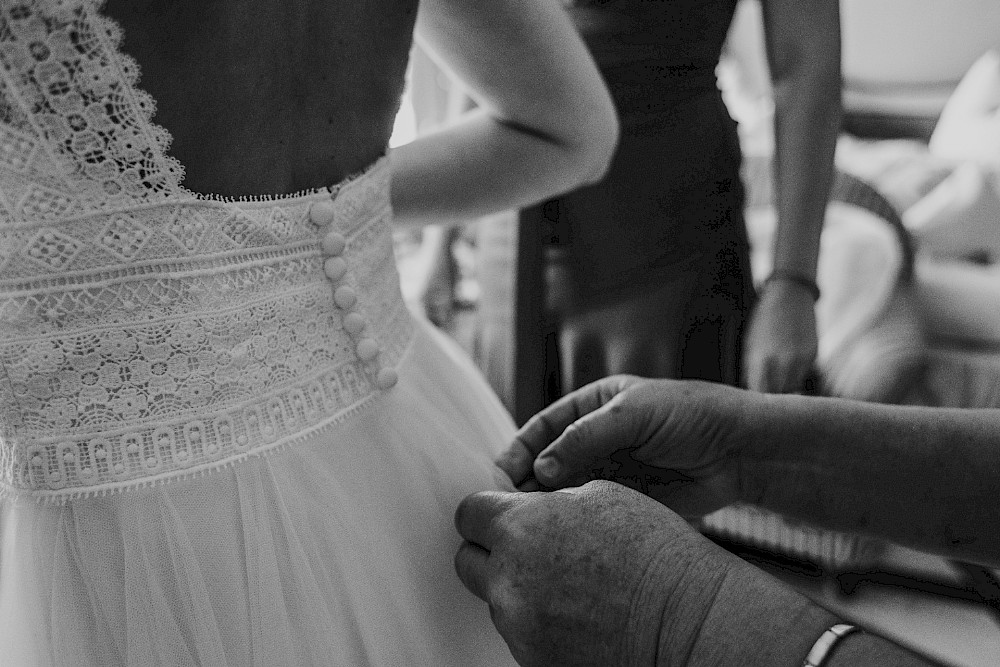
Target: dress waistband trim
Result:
[203, 447]
[123, 376]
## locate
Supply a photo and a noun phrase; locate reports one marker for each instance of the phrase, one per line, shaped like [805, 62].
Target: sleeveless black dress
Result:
[648, 271]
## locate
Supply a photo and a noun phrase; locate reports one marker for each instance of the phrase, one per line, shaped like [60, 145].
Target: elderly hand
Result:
[601, 575]
[678, 441]
[597, 575]
[781, 342]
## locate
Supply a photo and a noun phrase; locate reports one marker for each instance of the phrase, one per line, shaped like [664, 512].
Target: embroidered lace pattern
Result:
[148, 333]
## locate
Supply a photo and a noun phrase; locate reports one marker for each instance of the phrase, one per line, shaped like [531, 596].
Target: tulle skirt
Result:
[335, 549]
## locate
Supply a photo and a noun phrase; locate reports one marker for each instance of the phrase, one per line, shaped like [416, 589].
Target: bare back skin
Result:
[270, 96]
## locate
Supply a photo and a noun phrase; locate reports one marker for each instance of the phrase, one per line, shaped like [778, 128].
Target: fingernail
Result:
[546, 467]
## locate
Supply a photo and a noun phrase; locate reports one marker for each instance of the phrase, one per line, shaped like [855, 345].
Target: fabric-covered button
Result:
[322, 212]
[354, 323]
[367, 349]
[345, 296]
[335, 268]
[386, 378]
[334, 243]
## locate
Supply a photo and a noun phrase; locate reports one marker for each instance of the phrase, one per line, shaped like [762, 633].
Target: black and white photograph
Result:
[500, 333]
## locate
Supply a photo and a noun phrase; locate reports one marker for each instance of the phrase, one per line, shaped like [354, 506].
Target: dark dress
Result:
[648, 272]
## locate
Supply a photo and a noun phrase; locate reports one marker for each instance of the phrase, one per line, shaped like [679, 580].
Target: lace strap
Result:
[77, 134]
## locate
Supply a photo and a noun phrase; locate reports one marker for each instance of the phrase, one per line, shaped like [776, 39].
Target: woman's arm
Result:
[545, 123]
[924, 477]
[803, 51]
[602, 575]
[755, 620]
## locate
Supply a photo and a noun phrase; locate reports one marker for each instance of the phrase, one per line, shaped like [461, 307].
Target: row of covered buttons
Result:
[344, 296]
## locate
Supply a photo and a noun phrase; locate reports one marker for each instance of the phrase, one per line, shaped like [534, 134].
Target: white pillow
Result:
[969, 125]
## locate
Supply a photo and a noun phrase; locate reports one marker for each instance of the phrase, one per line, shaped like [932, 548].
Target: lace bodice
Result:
[146, 332]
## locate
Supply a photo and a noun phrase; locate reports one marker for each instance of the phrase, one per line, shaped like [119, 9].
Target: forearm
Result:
[924, 477]
[803, 44]
[480, 166]
[753, 621]
[807, 120]
[757, 621]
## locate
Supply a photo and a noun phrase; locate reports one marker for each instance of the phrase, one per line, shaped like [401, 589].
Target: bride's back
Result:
[270, 96]
[223, 438]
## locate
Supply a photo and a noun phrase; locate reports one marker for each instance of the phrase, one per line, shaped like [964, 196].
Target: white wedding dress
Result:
[211, 451]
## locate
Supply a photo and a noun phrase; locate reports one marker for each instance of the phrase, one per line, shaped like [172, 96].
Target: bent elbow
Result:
[597, 149]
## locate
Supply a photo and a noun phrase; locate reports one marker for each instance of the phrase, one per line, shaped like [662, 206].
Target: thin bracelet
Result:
[824, 645]
[806, 283]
